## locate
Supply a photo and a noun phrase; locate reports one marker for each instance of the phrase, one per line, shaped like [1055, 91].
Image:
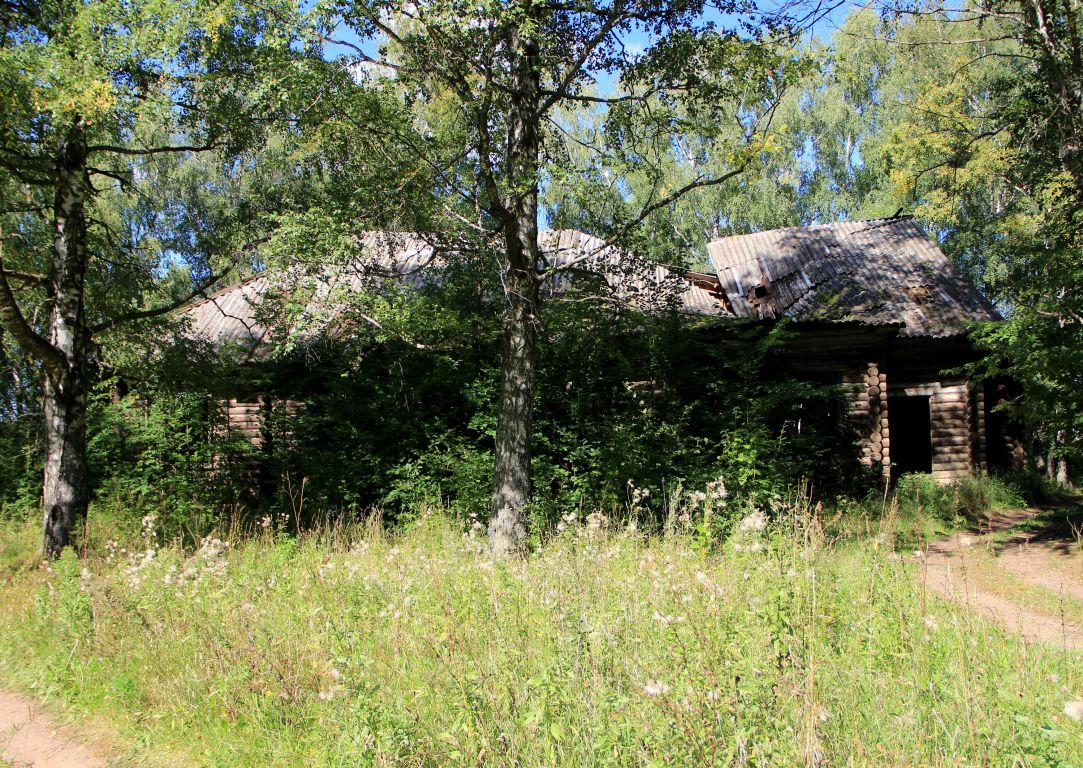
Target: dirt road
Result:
[29, 738]
[1031, 582]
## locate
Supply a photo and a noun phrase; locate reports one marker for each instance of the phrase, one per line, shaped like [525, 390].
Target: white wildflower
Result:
[754, 523]
[1074, 710]
[148, 524]
[596, 521]
[655, 688]
[716, 489]
[665, 620]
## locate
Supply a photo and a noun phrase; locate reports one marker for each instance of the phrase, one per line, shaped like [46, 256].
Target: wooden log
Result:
[950, 466]
[942, 438]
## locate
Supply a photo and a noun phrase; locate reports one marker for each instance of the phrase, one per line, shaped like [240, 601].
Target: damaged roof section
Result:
[885, 272]
[576, 265]
[241, 317]
[627, 279]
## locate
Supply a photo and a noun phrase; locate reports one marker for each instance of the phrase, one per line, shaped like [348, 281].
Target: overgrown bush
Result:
[966, 499]
[403, 416]
[622, 401]
[163, 454]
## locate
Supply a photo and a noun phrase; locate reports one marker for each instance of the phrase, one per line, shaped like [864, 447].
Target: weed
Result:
[353, 646]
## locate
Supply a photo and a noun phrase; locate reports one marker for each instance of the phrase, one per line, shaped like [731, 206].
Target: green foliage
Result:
[20, 429]
[68, 601]
[20, 463]
[598, 649]
[140, 81]
[158, 455]
[967, 499]
[624, 401]
[20, 544]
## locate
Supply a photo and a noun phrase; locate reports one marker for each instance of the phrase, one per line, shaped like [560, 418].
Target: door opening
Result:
[911, 447]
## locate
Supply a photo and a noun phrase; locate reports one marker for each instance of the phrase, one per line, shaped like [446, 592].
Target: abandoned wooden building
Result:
[877, 307]
[874, 306]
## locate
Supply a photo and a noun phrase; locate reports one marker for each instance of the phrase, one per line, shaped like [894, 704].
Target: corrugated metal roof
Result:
[228, 317]
[630, 280]
[237, 316]
[880, 272]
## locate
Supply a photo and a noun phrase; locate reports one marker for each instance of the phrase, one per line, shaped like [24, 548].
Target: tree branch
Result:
[199, 290]
[149, 150]
[700, 183]
[29, 278]
[117, 177]
[612, 19]
[16, 323]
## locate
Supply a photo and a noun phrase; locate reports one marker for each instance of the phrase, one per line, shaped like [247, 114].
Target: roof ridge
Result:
[833, 225]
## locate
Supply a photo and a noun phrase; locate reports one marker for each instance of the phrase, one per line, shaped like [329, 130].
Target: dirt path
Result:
[967, 567]
[29, 738]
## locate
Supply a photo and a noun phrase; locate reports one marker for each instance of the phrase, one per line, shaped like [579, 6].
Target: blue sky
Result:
[636, 40]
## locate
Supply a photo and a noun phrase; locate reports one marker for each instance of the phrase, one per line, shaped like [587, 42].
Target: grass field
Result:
[357, 647]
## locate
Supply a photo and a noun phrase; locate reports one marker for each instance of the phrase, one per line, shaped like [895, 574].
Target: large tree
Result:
[494, 88]
[104, 102]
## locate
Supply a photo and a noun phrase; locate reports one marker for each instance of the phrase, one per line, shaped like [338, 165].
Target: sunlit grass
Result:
[356, 647]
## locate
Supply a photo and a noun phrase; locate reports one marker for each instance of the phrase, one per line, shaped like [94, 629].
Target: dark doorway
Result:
[911, 448]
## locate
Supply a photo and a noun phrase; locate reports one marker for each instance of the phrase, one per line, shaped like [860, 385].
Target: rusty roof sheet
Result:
[881, 272]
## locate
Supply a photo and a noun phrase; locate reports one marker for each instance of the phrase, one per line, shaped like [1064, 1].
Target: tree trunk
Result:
[65, 488]
[512, 486]
[65, 494]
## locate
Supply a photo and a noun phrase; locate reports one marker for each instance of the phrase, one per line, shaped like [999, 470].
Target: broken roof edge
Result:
[872, 271]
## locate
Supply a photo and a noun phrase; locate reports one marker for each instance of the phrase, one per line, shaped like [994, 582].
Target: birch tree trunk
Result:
[65, 494]
[512, 485]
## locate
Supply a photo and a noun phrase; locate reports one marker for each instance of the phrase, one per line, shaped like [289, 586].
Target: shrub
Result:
[159, 455]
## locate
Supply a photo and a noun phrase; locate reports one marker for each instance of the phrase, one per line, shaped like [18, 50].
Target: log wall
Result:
[246, 419]
[950, 422]
[956, 418]
[250, 420]
[866, 387]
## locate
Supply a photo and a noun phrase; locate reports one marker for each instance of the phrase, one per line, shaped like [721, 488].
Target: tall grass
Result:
[352, 647]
